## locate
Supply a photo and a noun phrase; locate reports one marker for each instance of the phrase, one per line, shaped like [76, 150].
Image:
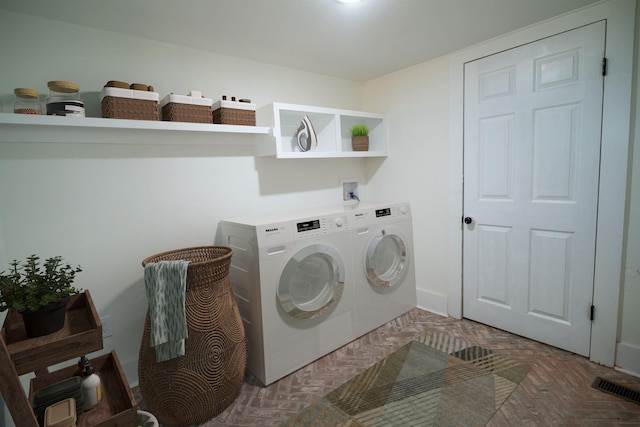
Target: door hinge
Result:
[604, 66]
[593, 312]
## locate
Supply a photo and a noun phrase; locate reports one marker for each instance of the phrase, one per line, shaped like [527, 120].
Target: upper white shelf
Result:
[333, 130]
[35, 128]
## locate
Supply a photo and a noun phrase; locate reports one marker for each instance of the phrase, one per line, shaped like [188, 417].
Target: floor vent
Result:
[621, 391]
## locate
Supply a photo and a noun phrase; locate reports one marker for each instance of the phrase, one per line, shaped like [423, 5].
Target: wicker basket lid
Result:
[63, 87]
[25, 92]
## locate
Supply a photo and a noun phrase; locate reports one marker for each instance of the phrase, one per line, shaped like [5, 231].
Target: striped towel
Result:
[165, 285]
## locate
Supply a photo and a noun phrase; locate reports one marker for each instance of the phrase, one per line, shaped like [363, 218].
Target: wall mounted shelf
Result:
[333, 129]
[35, 128]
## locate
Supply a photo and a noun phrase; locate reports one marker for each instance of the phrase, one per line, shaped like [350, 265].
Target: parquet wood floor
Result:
[556, 392]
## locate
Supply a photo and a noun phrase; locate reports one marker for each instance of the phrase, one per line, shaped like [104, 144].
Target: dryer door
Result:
[312, 282]
[386, 260]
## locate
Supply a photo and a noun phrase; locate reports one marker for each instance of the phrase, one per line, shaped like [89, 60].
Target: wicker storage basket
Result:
[199, 385]
[360, 143]
[131, 104]
[182, 108]
[234, 113]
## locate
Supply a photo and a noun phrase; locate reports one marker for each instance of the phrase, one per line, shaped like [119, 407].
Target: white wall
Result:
[628, 351]
[416, 102]
[107, 207]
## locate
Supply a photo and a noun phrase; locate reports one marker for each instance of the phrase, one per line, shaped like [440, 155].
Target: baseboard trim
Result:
[429, 301]
[628, 358]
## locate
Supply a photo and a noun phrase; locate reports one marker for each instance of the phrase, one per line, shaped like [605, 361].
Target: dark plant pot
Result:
[45, 320]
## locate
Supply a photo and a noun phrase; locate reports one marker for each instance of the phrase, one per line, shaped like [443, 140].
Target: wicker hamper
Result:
[199, 385]
[234, 113]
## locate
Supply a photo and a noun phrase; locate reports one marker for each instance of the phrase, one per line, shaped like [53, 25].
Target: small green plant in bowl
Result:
[360, 130]
[32, 288]
[360, 138]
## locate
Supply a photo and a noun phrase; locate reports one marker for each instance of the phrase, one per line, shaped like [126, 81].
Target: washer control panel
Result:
[313, 227]
[384, 212]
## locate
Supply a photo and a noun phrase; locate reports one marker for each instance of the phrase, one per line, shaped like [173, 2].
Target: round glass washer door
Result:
[312, 282]
[386, 260]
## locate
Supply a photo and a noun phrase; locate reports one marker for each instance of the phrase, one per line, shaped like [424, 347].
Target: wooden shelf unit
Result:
[81, 335]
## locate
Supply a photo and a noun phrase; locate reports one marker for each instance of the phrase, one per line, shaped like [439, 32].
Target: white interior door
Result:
[532, 120]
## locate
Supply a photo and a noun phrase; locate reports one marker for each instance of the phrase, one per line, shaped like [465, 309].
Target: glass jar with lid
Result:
[64, 99]
[26, 101]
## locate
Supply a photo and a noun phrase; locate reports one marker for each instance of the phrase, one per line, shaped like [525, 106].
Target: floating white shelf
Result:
[333, 129]
[35, 128]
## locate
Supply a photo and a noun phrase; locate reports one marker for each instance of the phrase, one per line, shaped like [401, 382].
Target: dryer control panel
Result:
[391, 212]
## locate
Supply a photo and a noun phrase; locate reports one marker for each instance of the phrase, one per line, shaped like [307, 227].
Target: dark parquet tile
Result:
[556, 392]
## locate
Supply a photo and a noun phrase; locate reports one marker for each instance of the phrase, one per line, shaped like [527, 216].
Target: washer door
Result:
[312, 282]
[386, 260]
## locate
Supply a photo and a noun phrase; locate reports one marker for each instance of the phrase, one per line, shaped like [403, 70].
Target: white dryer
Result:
[384, 274]
[292, 278]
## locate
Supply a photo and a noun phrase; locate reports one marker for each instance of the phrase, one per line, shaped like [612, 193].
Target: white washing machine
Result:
[292, 277]
[384, 274]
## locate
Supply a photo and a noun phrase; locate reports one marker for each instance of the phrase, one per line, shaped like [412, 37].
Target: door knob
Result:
[468, 220]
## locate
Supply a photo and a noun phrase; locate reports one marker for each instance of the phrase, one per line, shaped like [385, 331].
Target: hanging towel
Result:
[165, 285]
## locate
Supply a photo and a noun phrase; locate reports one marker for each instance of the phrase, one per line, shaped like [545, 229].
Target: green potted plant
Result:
[39, 292]
[360, 138]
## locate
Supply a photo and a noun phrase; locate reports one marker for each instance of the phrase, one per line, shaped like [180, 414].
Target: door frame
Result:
[616, 129]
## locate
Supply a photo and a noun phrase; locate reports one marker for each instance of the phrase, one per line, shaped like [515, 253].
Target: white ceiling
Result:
[358, 41]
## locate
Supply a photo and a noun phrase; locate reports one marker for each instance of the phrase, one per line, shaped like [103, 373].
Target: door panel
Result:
[548, 282]
[493, 266]
[554, 150]
[495, 140]
[531, 170]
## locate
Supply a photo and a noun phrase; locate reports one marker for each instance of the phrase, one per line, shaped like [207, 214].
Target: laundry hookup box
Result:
[192, 108]
[119, 103]
[234, 113]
